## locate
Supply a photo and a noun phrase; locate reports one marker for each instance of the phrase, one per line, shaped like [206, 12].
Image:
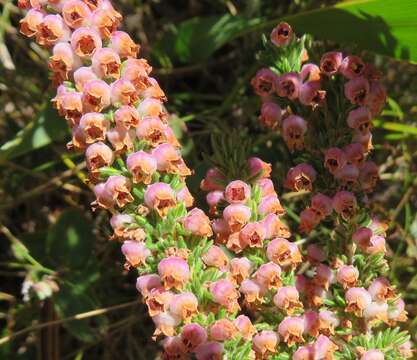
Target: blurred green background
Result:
[56, 261]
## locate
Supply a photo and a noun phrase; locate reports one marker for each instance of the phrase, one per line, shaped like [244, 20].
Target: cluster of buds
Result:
[324, 114]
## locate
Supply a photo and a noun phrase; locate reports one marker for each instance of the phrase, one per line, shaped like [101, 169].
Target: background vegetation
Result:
[204, 54]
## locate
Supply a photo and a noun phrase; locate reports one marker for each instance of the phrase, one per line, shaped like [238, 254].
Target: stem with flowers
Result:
[245, 292]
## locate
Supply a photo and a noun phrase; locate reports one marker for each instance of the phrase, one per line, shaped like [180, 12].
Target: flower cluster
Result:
[324, 114]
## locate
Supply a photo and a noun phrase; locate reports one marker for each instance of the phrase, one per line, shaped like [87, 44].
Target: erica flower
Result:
[174, 272]
[357, 90]
[98, 155]
[236, 216]
[83, 75]
[291, 330]
[282, 34]
[293, 129]
[373, 355]
[258, 167]
[142, 166]
[252, 292]
[334, 159]
[96, 95]
[330, 62]
[360, 120]
[119, 189]
[268, 276]
[264, 82]
[283, 252]
[324, 348]
[209, 351]
[106, 63]
[145, 283]
[252, 235]
[322, 205]
[161, 197]
[123, 44]
[75, 13]
[270, 205]
[300, 177]
[245, 327]
[223, 329]
[347, 276]
[309, 72]
[30, 23]
[344, 203]
[135, 252]
[94, 125]
[169, 159]
[225, 294]
[183, 305]
[193, 335]
[240, 269]
[216, 257]
[288, 85]
[287, 299]
[352, 66]
[270, 114]
[357, 300]
[85, 41]
[51, 30]
[311, 93]
[197, 222]
[265, 342]
[381, 290]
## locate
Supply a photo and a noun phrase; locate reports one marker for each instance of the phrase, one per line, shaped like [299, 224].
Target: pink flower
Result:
[315, 253]
[293, 130]
[151, 107]
[82, 76]
[246, 329]
[348, 175]
[324, 276]
[396, 311]
[157, 300]
[347, 276]
[301, 177]
[63, 61]
[274, 227]
[165, 323]
[375, 312]
[381, 290]
[376, 245]
[160, 197]
[362, 237]
[145, 283]
[216, 257]
[197, 222]
[252, 291]
[258, 167]
[288, 85]
[121, 139]
[185, 196]
[322, 205]
[373, 355]
[304, 353]
[225, 294]
[75, 13]
[142, 166]
[173, 347]
[324, 347]
[97, 156]
[287, 298]
[236, 216]
[334, 159]
[270, 115]
[96, 95]
[106, 63]
[123, 92]
[184, 305]
[268, 276]
[30, 23]
[377, 98]
[252, 235]
[94, 125]
[240, 269]
[213, 180]
[123, 44]
[352, 66]
[344, 203]
[282, 34]
[368, 176]
[223, 330]
[105, 21]
[120, 222]
[85, 41]
[174, 272]
[270, 205]
[309, 72]
[354, 154]
[267, 187]
[291, 330]
[283, 252]
[153, 130]
[264, 82]
[119, 189]
[193, 335]
[51, 30]
[360, 120]
[357, 90]
[135, 252]
[103, 197]
[265, 343]
[357, 300]
[209, 351]
[169, 159]
[330, 62]
[311, 93]
[309, 219]
[237, 192]
[213, 198]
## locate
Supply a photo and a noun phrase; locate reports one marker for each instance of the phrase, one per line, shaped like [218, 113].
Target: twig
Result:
[79, 316]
